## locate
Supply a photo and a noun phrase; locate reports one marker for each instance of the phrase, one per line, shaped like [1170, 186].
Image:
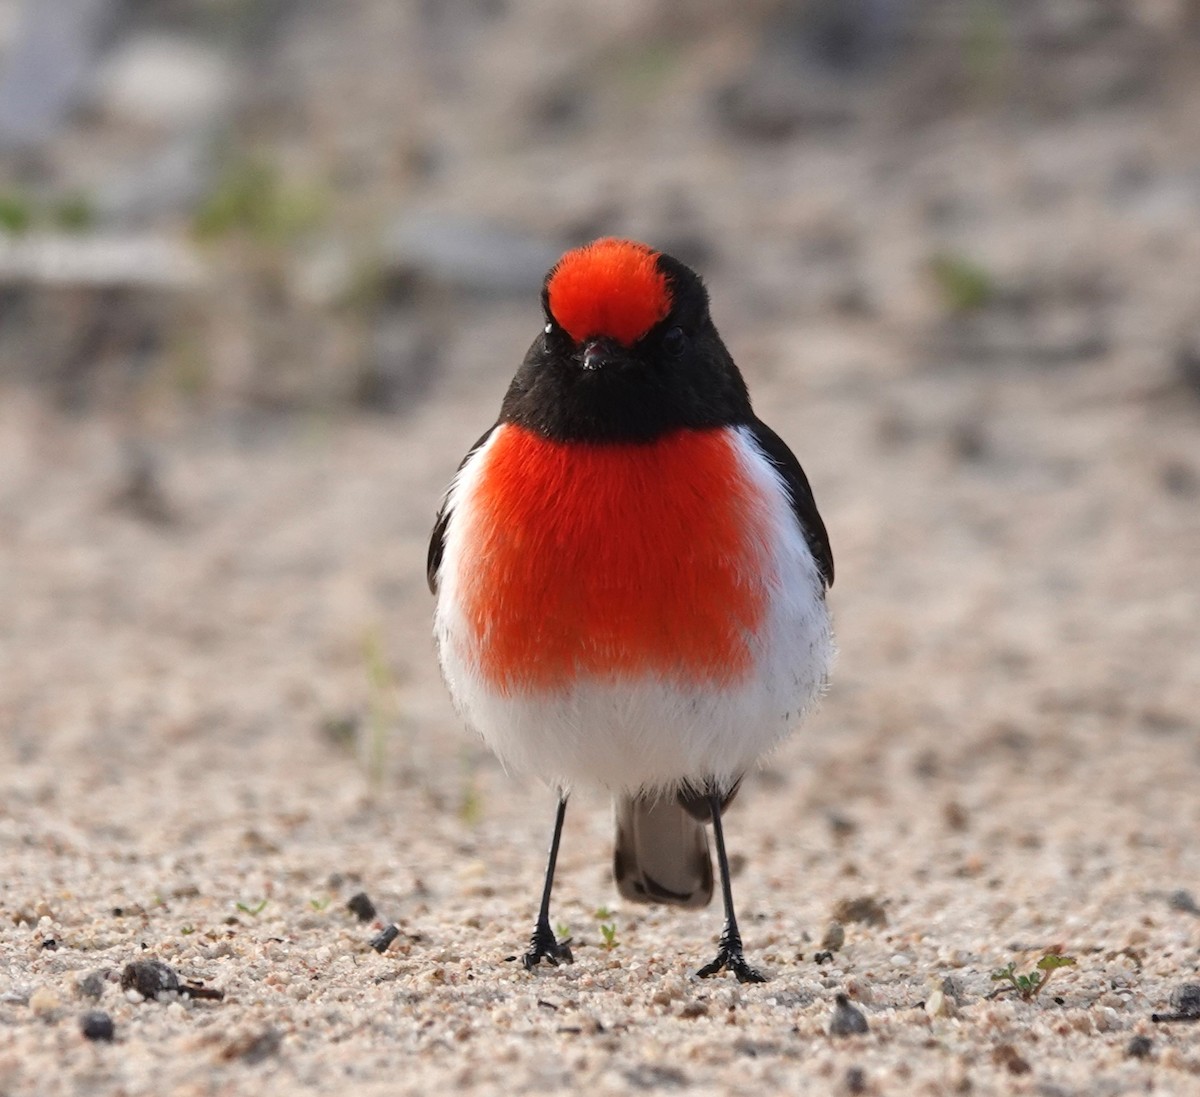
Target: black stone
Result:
[97, 1025]
[361, 906]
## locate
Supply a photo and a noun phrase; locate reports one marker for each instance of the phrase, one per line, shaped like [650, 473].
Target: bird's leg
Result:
[730, 952]
[543, 945]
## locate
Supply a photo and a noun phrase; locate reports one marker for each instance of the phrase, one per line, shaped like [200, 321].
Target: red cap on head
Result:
[609, 287]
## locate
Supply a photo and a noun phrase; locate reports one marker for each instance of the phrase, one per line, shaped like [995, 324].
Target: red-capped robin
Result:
[630, 573]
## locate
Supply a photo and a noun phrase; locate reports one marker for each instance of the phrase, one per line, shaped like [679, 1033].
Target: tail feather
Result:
[661, 853]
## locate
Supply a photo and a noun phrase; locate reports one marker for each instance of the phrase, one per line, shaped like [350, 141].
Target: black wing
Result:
[803, 502]
[437, 542]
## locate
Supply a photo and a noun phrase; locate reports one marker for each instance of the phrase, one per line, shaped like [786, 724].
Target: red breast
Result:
[614, 559]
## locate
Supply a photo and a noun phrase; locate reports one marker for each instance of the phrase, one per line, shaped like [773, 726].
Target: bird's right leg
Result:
[543, 945]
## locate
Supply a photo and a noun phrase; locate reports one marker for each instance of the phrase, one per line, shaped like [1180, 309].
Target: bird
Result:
[630, 574]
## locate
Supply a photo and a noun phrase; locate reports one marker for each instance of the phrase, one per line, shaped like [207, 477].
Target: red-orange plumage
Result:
[614, 559]
[610, 287]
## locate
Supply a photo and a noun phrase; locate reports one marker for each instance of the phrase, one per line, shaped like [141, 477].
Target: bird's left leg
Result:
[729, 954]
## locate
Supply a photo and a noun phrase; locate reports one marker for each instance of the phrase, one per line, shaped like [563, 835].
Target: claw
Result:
[543, 945]
[730, 957]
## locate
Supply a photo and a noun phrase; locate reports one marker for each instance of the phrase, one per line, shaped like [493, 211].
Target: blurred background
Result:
[266, 267]
[287, 205]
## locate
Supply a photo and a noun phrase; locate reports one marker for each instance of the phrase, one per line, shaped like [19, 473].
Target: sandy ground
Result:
[218, 729]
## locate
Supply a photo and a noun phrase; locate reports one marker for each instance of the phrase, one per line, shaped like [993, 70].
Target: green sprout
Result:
[1030, 985]
[963, 285]
[608, 927]
[253, 911]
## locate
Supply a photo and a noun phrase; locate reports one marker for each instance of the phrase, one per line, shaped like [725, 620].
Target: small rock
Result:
[97, 1025]
[385, 937]
[1185, 999]
[44, 1001]
[856, 1080]
[939, 1004]
[1139, 1047]
[361, 907]
[847, 1020]
[1183, 900]
[834, 938]
[863, 909]
[951, 987]
[149, 978]
[93, 983]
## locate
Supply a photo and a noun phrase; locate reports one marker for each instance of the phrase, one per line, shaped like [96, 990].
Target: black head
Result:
[628, 352]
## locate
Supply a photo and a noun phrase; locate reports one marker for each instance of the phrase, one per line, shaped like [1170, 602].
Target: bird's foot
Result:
[543, 945]
[730, 957]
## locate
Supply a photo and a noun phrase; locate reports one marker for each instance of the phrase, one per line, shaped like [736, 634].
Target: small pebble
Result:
[149, 978]
[361, 906]
[846, 1019]
[93, 983]
[939, 1004]
[97, 1025]
[43, 1001]
[1139, 1048]
[1184, 901]
[834, 938]
[951, 987]
[385, 937]
[1185, 999]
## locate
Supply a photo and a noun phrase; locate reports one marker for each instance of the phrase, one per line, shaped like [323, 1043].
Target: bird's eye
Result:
[549, 328]
[674, 341]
